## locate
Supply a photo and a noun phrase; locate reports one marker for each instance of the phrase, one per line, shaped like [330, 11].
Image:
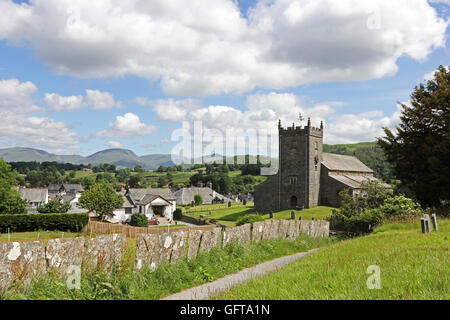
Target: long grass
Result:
[125, 283]
[412, 266]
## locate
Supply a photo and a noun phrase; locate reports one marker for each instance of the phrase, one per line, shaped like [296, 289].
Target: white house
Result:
[150, 202]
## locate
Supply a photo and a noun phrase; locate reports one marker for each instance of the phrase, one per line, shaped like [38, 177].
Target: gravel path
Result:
[206, 291]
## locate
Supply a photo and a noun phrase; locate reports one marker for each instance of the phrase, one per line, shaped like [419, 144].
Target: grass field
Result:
[412, 266]
[228, 216]
[37, 235]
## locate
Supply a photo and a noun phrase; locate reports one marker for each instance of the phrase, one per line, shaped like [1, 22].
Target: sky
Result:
[77, 77]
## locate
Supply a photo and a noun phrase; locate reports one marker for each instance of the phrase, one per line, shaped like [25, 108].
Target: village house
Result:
[185, 196]
[153, 203]
[34, 197]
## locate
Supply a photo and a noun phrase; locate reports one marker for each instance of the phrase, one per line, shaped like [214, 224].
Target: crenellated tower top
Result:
[299, 130]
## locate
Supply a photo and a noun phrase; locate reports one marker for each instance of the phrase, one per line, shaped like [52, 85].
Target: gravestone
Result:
[147, 251]
[104, 251]
[434, 220]
[271, 214]
[293, 215]
[267, 229]
[283, 228]
[179, 246]
[64, 253]
[422, 224]
[194, 243]
[244, 202]
[257, 230]
[21, 261]
[427, 223]
[229, 204]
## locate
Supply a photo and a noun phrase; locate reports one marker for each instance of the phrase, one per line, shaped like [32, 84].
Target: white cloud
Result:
[100, 100]
[60, 103]
[17, 97]
[127, 126]
[263, 112]
[114, 144]
[21, 128]
[170, 109]
[208, 48]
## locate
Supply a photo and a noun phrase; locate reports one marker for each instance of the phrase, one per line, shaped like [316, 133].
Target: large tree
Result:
[101, 198]
[10, 200]
[420, 149]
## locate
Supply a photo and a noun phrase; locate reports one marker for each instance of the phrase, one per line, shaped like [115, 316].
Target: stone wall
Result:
[21, 261]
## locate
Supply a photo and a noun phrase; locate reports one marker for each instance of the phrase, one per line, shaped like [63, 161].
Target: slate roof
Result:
[69, 187]
[34, 194]
[144, 195]
[186, 195]
[338, 162]
[354, 181]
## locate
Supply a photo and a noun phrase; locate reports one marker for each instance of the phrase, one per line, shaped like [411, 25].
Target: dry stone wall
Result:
[25, 260]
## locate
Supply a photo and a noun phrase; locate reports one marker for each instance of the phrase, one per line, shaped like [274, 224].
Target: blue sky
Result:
[246, 70]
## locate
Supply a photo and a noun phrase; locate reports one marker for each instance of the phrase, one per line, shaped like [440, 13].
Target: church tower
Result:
[300, 155]
[297, 183]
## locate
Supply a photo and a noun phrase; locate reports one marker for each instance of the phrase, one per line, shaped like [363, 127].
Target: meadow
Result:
[412, 266]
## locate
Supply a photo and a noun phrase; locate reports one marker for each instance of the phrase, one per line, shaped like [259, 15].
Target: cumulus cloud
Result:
[170, 109]
[260, 117]
[114, 144]
[17, 97]
[208, 48]
[60, 103]
[98, 100]
[127, 126]
[20, 127]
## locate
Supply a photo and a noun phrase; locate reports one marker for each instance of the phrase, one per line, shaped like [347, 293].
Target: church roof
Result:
[338, 162]
[354, 181]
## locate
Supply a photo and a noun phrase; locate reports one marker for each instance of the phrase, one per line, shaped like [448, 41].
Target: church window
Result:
[293, 180]
[316, 145]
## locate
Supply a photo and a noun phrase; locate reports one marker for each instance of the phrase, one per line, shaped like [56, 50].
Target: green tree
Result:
[55, 205]
[10, 200]
[101, 198]
[162, 181]
[198, 200]
[420, 149]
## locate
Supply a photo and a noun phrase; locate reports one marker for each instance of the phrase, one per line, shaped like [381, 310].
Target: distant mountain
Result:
[119, 157]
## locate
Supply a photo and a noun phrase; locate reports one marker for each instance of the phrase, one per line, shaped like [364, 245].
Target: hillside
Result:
[118, 157]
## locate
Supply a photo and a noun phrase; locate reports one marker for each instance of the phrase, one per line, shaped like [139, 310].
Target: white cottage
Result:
[150, 202]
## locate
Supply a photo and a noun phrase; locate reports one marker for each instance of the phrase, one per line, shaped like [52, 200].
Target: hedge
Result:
[73, 222]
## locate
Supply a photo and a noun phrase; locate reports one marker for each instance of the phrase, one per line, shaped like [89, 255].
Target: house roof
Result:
[69, 187]
[354, 181]
[338, 162]
[34, 194]
[186, 195]
[139, 194]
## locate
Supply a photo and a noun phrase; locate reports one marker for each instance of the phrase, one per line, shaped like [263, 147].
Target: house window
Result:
[140, 209]
[128, 210]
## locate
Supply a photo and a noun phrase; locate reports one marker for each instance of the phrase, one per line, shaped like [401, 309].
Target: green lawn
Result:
[228, 216]
[412, 266]
[37, 235]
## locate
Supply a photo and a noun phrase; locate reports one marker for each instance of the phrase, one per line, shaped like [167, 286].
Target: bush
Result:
[249, 218]
[139, 220]
[198, 200]
[398, 207]
[55, 205]
[178, 213]
[73, 222]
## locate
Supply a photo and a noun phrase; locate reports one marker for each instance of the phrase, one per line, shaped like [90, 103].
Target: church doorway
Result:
[293, 202]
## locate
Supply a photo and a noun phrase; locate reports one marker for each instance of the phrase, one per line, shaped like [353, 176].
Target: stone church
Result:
[307, 176]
